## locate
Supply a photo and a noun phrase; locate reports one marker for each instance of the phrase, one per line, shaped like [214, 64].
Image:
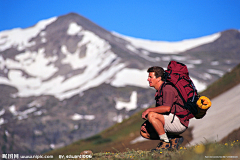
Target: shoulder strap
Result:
[184, 102]
[180, 95]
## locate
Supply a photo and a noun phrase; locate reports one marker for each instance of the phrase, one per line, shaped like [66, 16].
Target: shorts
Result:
[173, 128]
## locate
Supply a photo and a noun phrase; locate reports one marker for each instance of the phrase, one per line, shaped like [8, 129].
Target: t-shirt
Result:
[170, 97]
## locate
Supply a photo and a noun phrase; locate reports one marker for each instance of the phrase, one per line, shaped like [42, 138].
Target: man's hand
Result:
[144, 114]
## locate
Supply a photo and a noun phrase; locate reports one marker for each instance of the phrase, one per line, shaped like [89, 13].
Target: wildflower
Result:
[199, 149]
[226, 144]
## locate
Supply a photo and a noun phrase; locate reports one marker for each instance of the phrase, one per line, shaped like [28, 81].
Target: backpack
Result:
[177, 75]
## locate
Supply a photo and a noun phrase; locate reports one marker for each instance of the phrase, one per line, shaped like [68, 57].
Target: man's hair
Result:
[159, 71]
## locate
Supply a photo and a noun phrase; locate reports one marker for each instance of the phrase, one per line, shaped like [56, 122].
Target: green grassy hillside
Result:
[116, 138]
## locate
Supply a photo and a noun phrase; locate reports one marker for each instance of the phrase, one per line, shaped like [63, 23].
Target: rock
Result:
[87, 152]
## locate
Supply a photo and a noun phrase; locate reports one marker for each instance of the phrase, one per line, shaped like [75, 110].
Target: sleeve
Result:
[168, 96]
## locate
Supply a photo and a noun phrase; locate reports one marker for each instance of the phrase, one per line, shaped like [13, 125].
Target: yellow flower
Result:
[199, 149]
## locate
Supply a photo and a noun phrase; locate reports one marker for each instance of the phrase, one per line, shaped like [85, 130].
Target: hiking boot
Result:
[162, 146]
[176, 142]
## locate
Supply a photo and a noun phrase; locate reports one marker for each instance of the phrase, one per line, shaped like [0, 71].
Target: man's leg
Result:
[147, 131]
[158, 122]
[174, 129]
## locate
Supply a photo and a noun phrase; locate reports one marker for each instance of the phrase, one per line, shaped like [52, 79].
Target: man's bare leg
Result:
[147, 131]
[158, 121]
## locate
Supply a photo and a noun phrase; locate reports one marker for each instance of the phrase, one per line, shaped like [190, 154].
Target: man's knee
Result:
[153, 116]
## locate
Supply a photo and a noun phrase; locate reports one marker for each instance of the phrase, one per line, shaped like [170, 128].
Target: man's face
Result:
[153, 81]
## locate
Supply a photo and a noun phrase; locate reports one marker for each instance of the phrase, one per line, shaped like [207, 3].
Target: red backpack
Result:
[177, 75]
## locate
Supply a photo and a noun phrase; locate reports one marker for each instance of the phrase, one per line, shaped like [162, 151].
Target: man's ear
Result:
[159, 79]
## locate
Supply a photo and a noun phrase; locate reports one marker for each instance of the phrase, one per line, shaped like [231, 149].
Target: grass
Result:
[215, 150]
[202, 151]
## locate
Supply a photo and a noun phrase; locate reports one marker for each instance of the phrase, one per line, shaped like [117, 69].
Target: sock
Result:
[164, 137]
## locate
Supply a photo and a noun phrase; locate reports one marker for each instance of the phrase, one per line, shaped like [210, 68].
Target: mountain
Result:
[66, 78]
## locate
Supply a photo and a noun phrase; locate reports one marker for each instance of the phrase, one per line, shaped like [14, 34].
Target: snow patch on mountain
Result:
[21, 114]
[167, 47]
[74, 29]
[119, 118]
[199, 85]
[12, 109]
[2, 112]
[19, 38]
[35, 64]
[217, 72]
[98, 52]
[1, 121]
[215, 63]
[205, 76]
[77, 117]
[131, 105]
[132, 77]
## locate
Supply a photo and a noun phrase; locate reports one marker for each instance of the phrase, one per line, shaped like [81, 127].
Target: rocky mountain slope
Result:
[66, 78]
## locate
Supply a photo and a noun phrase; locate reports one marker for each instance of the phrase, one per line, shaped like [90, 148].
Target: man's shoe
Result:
[162, 146]
[176, 142]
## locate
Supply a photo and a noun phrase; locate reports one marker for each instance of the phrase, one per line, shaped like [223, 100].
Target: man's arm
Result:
[159, 109]
[168, 100]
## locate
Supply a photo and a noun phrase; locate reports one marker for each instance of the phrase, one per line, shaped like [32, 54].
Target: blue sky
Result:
[165, 20]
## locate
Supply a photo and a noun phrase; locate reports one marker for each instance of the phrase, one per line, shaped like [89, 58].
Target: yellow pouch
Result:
[204, 102]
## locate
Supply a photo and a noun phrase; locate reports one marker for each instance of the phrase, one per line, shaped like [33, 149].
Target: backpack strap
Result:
[181, 115]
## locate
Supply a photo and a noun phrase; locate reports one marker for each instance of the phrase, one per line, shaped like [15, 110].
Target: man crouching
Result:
[161, 124]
